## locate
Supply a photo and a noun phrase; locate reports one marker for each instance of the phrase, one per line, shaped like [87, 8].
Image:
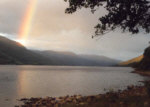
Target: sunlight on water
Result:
[40, 81]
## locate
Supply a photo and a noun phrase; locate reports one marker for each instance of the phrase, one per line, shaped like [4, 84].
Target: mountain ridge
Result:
[13, 52]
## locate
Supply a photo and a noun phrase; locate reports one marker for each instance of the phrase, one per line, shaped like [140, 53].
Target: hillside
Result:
[13, 52]
[69, 58]
[132, 61]
[101, 59]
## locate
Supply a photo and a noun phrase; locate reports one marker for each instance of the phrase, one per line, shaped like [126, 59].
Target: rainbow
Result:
[27, 21]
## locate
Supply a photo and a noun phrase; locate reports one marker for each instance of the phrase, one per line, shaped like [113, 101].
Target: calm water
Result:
[40, 81]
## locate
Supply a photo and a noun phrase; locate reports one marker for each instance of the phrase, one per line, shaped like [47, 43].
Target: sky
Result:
[52, 29]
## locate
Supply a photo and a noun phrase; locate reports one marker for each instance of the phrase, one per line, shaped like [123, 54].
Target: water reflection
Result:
[8, 85]
[40, 81]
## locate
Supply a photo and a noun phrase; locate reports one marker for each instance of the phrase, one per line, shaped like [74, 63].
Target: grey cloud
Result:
[53, 29]
[11, 12]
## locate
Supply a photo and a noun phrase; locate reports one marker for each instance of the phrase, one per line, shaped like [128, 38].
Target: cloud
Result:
[10, 15]
[54, 30]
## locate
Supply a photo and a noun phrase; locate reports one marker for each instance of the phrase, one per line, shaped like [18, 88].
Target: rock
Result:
[33, 99]
[82, 103]
[69, 99]
[74, 101]
[121, 103]
[130, 87]
[62, 102]
[23, 99]
[98, 96]
[57, 99]
[78, 97]
[145, 103]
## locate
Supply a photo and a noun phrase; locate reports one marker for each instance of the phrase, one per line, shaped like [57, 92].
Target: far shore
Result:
[133, 96]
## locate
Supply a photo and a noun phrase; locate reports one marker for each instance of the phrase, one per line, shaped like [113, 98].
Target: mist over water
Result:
[40, 81]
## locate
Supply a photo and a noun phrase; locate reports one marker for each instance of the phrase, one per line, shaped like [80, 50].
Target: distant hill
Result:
[69, 58]
[12, 52]
[103, 60]
[132, 62]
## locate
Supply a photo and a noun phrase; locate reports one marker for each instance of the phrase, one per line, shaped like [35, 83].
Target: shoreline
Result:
[143, 73]
[133, 96]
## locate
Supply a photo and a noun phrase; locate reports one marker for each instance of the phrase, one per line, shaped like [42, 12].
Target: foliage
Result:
[147, 85]
[145, 62]
[129, 15]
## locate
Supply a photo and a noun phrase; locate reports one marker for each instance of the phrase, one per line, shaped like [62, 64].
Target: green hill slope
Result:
[132, 61]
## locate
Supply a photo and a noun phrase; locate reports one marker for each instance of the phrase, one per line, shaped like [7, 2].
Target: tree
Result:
[129, 15]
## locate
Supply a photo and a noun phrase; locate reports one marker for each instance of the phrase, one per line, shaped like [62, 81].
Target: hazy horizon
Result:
[52, 29]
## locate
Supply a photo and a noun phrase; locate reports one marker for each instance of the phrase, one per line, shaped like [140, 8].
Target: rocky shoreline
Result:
[143, 73]
[133, 96]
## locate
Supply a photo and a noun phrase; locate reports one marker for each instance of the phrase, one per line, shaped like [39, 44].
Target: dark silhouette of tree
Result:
[129, 15]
